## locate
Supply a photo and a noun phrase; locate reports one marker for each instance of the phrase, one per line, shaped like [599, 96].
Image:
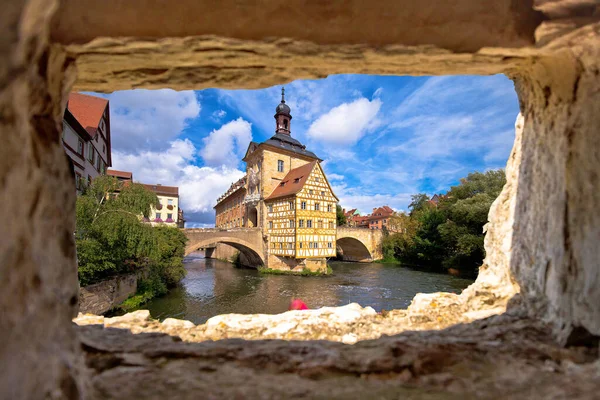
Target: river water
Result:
[212, 287]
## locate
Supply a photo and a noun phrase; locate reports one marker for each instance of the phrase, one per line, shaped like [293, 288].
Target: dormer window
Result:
[282, 184]
[296, 180]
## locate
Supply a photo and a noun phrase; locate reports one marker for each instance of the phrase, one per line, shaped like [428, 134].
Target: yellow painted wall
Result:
[164, 200]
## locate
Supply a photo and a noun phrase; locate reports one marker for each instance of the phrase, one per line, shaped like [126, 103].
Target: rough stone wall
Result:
[106, 295]
[39, 351]
[550, 202]
[555, 250]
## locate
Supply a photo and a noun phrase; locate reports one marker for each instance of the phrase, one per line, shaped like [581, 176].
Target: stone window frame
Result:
[534, 62]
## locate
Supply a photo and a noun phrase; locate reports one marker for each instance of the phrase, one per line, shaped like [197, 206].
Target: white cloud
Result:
[335, 177]
[377, 93]
[226, 145]
[149, 118]
[351, 198]
[199, 187]
[346, 123]
[218, 115]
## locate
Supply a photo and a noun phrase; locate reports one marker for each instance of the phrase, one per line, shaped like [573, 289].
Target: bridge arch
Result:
[352, 249]
[249, 254]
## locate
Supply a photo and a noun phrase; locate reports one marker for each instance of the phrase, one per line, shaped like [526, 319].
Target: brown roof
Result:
[385, 212]
[350, 213]
[119, 174]
[293, 182]
[163, 190]
[88, 111]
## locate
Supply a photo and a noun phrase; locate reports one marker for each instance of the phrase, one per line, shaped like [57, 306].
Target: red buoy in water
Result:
[298, 304]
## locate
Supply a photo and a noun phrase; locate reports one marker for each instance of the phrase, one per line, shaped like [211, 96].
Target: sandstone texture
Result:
[542, 243]
[502, 357]
[39, 350]
[347, 324]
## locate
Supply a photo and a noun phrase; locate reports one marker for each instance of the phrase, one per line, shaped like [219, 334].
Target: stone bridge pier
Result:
[359, 244]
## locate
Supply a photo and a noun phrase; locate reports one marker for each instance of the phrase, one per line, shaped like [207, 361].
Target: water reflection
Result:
[213, 287]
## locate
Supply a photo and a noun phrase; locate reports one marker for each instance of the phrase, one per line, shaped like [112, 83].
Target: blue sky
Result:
[382, 138]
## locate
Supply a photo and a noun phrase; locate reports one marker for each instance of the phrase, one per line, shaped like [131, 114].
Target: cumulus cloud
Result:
[149, 118]
[226, 145]
[346, 123]
[199, 187]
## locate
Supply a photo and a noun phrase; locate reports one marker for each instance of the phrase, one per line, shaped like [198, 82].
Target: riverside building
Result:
[86, 137]
[286, 194]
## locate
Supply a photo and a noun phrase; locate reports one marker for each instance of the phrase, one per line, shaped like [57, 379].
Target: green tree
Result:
[402, 231]
[341, 218]
[112, 239]
[449, 235]
[418, 202]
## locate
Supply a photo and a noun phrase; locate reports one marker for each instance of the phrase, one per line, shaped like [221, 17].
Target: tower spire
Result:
[283, 116]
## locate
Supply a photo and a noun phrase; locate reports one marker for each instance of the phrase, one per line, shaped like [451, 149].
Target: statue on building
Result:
[253, 181]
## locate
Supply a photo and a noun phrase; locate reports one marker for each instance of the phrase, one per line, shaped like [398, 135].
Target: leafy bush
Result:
[449, 234]
[111, 238]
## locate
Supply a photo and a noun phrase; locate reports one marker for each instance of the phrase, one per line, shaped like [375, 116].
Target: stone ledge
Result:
[501, 357]
[346, 324]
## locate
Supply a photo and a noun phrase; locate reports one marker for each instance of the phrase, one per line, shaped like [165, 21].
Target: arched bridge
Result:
[359, 244]
[354, 244]
[248, 241]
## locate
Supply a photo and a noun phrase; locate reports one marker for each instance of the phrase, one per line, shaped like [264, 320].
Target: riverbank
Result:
[106, 295]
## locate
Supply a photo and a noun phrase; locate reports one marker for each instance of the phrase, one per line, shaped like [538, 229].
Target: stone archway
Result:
[543, 230]
[253, 217]
[351, 249]
[249, 255]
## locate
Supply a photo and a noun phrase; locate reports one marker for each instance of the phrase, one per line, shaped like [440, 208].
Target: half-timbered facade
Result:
[285, 193]
[301, 217]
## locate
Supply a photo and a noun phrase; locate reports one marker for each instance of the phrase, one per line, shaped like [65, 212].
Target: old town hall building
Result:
[285, 193]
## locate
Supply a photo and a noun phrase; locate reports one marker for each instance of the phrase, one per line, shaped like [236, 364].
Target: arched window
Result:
[285, 124]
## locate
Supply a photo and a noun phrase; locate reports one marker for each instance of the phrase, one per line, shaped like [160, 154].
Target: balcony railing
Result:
[252, 198]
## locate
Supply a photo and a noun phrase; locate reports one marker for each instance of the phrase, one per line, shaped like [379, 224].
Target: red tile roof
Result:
[163, 190]
[293, 182]
[87, 110]
[381, 213]
[119, 174]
